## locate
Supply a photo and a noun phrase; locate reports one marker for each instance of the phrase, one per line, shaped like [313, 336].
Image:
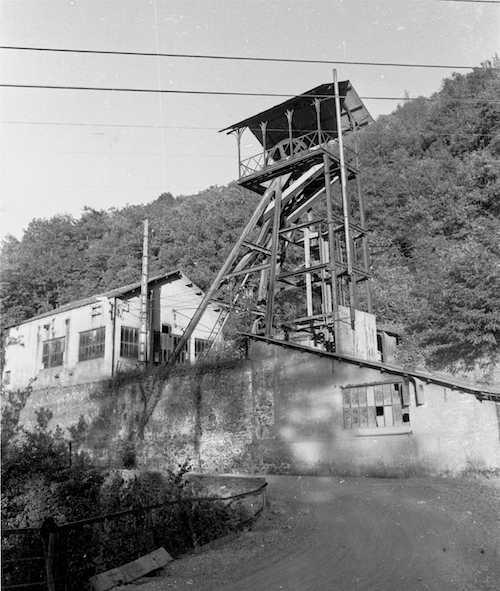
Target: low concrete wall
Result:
[225, 485]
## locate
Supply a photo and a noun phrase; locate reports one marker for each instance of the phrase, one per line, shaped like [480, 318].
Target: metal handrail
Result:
[287, 149]
[58, 562]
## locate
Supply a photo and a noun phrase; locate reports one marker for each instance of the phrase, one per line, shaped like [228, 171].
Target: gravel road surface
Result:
[353, 534]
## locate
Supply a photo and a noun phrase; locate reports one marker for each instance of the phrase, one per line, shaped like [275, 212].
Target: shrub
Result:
[41, 483]
[128, 455]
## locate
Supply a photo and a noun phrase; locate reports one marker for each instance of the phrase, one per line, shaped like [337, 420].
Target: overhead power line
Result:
[227, 93]
[58, 124]
[112, 125]
[472, 1]
[93, 186]
[119, 154]
[237, 58]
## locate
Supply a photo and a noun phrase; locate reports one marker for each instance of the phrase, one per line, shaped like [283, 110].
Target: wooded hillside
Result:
[431, 176]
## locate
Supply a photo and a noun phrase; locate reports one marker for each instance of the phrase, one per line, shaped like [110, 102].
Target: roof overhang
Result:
[124, 292]
[353, 113]
[479, 392]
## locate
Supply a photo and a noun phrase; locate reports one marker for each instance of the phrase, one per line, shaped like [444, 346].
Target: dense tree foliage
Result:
[431, 175]
[432, 184]
[62, 259]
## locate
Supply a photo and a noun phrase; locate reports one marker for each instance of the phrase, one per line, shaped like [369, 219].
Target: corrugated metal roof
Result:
[304, 114]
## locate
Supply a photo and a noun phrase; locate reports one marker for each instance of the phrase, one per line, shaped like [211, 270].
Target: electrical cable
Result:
[228, 93]
[472, 1]
[94, 186]
[160, 107]
[238, 58]
[110, 125]
[189, 318]
[178, 127]
[115, 154]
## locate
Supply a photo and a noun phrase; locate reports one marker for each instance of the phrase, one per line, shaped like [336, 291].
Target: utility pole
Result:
[143, 332]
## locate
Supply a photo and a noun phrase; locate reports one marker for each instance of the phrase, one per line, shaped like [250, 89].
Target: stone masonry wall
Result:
[203, 416]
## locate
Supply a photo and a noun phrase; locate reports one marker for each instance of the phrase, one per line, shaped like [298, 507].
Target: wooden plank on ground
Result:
[131, 571]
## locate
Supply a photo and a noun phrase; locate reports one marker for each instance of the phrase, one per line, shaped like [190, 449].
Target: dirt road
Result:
[329, 534]
[387, 535]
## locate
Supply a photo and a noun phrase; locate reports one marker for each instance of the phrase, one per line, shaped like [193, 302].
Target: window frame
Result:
[200, 346]
[382, 405]
[129, 347]
[53, 352]
[184, 352]
[168, 343]
[92, 350]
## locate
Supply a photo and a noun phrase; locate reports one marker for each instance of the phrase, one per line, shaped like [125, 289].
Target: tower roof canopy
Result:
[304, 118]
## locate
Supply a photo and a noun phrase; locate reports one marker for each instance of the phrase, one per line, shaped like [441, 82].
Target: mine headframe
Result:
[301, 266]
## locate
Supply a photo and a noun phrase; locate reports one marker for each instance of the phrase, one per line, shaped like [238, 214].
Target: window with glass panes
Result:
[129, 342]
[53, 352]
[200, 345]
[377, 405]
[168, 343]
[184, 353]
[167, 347]
[92, 344]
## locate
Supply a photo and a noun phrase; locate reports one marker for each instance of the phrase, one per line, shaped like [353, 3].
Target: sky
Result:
[62, 150]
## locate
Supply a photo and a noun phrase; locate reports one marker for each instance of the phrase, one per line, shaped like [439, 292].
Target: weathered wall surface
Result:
[281, 412]
[205, 417]
[110, 416]
[24, 350]
[201, 416]
[362, 342]
[451, 431]
[23, 355]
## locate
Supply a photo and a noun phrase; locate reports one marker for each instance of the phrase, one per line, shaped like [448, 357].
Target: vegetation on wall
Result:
[431, 176]
[46, 473]
[40, 477]
[47, 484]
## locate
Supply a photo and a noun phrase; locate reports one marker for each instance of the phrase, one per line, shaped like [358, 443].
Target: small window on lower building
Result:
[377, 405]
[92, 344]
[168, 343]
[380, 348]
[129, 343]
[53, 352]
[166, 347]
[184, 352]
[200, 345]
